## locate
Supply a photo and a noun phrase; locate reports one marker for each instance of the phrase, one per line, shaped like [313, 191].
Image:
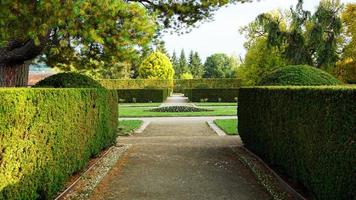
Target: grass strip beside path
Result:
[126, 127]
[229, 126]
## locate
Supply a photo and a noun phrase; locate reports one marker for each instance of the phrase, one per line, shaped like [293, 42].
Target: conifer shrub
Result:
[68, 80]
[46, 135]
[302, 75]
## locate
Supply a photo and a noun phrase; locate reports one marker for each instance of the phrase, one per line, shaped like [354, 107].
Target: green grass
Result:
[215, 104]
[139, 104]
[125, 111]
[126, 127]
[229, 126]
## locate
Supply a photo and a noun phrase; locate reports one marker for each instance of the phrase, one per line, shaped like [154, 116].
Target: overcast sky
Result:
[222, 35]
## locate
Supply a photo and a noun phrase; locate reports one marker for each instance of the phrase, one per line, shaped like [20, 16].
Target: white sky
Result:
[222, 35]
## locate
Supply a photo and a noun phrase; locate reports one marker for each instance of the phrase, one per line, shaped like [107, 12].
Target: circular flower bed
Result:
[178, 109]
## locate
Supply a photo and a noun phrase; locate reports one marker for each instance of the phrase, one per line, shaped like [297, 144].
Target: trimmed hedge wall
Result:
[212, 95]
[181, 84]
[143, 95]
[136, 83]
[48, 134]
[307, 133]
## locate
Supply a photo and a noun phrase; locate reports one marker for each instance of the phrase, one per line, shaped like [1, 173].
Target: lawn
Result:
[139, 104]
[229, 126]
[214, 104]
[126, 127]
[134, 111]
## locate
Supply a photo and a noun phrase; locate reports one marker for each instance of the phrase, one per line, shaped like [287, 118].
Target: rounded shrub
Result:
[299, 75]
[68, 80]
[156, 66]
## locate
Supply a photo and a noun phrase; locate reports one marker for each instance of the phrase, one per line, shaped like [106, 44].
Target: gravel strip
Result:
[91, 178]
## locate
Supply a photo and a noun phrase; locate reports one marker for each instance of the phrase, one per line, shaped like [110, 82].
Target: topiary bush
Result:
[178, 109]
[68, 80]
[156, 66]
[299, 75]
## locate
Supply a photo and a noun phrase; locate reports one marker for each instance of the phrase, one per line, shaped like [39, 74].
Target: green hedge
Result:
[48, 134]
[68, 80]
[212, 95]
[302, 75]
[307, 133]
[181, 84]
[143, 95]
[136, 83]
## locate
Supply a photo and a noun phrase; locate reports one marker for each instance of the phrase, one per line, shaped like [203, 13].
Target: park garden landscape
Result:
[122, 118]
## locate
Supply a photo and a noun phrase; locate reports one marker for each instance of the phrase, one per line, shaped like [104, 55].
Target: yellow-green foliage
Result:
[213, 83]
[48, 134]
[186, 76]
[308, 133]
[136, 83]
[156, 66]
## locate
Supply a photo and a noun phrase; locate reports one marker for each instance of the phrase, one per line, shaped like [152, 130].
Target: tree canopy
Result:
[219, 65]
[82, 35]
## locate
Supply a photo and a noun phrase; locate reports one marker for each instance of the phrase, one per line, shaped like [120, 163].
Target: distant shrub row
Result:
[136, 83]
[181, 84]
[212, 95]
[48, 134]
[306, 133]
[143, 95]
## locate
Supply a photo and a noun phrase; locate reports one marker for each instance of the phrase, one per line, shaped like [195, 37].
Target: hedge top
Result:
[299, 75]
[68, 80]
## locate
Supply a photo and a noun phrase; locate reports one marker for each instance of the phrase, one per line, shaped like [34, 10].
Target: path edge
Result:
[282, 184]
[215, 128]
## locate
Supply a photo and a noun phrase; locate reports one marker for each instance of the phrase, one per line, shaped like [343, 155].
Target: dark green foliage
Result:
[48, 134]
[212, 95]
[218, 65]
[299, 75]
[143, 95]
[68, 80]
[306, 133]
[178, 109]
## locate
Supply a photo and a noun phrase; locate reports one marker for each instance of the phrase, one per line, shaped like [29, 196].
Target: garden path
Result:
[179, 159]
[176, 100]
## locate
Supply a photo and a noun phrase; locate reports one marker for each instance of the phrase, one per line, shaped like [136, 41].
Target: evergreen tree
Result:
[175, 63]
[183, 64]
[195, 65]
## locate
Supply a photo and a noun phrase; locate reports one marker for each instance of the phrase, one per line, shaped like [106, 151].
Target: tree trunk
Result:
[14, 75]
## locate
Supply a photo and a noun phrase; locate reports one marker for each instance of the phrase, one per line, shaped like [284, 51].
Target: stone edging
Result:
[215, 128]
[143, 127]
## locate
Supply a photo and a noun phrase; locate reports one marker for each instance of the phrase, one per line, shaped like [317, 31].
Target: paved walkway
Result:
[176, 100]
[183, 160]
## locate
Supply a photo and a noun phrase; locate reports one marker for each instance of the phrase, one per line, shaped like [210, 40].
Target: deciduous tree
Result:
[91, 30]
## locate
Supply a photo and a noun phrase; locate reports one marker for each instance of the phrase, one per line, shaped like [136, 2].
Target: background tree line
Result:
[324, 39]
[218, 65]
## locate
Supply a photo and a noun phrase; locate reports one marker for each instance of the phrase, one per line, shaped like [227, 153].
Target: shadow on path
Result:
[182, 160]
